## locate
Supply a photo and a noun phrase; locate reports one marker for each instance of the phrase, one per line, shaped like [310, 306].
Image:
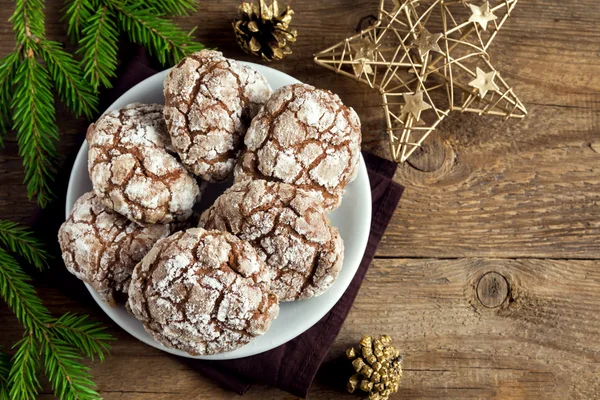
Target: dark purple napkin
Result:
[292, 366]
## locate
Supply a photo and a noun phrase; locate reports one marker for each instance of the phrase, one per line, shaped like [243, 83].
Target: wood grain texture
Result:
[544, 340]
[520, 200]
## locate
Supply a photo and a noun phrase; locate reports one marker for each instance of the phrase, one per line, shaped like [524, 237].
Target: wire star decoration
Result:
[427, 58]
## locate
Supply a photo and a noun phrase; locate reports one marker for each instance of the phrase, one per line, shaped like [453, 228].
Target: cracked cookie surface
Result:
[209, 103]
[101, 247]
[289, 230]
[203, 292]
[306, 137]
[133, 170]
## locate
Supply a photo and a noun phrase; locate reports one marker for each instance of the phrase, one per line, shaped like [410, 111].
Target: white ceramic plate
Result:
[352, 218]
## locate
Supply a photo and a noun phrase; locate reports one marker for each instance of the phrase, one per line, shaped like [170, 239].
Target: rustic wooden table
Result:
[489, 275]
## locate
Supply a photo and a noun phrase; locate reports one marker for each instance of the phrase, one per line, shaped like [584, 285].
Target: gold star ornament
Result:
[484, 82]
[364, 51]
[428, 58]
[414, 105]
[482, 14]
[427, 42]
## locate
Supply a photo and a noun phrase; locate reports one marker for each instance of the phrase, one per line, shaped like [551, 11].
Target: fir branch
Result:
[22, 379]
[28, 20]
[172, 7]
[99, 48]
[60, 340]
[8, 66]
[33, 114]
[18, 293]
[70, 379]
[73, 90]
[97, 22]
[89, 337]
[19, 240]
[4, 374]
[163, 38]
[77, 13]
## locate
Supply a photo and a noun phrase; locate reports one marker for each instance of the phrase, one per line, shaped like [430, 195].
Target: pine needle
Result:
[62, 341]
[20, 241]
[70, 379]
[28, 20]
[163, 38]
[4, 374]
[89, 337]
[73, 90]
[8, 65]
[173, 7]
[77, 13]
[18, 293]
[33, 114]
[22, 379]
[26, 101]
[99, 48]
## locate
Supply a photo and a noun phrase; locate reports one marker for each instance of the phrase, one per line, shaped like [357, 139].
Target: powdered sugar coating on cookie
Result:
[133, 170]
[209, 103]
[101, 247]
[203, 292]
[306, 137]
[289, 230]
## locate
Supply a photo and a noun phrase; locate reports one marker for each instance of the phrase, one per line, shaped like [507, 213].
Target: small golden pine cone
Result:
[264, 31]
[377, 365]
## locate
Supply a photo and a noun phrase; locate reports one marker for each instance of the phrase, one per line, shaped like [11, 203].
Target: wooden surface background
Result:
[489, 275]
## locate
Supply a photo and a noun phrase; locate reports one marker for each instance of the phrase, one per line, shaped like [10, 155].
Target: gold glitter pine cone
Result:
[378, 367]
[264, 30]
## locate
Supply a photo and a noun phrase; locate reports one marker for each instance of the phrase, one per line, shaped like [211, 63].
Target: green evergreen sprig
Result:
[59, 343]
[72, 89]
[20, 296]
[76, 13]
[98, 48]
[8, 65]
[38, 67]
[4, 372]
[97, 25]
[19, 240]
[28, 76]
[173, 7]
[89, 337]
[161, 37]
[23, 379]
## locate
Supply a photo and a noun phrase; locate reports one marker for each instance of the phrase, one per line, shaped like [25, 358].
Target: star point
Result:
[414, 104]
[482, 14]
[484, 82]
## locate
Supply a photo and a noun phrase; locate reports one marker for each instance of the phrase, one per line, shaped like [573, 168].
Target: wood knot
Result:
[492, 290]
[434, 155]
[366, 22]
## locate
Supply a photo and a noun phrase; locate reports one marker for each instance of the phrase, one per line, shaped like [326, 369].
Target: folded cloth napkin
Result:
[292, 366]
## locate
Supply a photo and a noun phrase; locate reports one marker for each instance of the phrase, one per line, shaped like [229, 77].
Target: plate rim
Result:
[108, 310]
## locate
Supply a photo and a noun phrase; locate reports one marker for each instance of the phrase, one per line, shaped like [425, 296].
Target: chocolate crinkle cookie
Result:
[203, 292]
[209, 103]
[101, 247]
[306, 137]
[288, 228]
[133, 169]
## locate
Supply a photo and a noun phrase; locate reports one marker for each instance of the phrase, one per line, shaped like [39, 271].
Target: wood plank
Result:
[519, 193]
[479, 188]
[543, 339]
